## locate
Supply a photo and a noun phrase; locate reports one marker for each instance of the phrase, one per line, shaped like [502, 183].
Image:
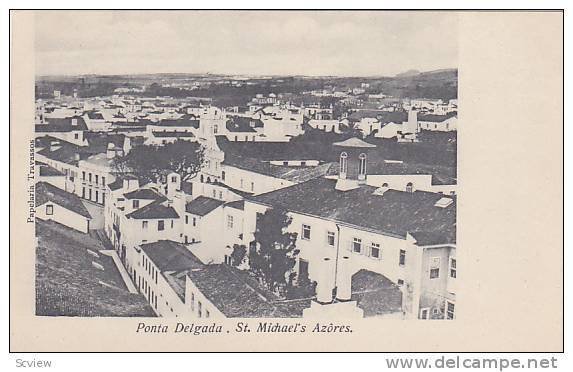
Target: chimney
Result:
[324, 284]
[344, 279]
[110, 153]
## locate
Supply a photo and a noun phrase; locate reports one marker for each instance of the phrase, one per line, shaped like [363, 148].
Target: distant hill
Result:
[431, 84]
[408, 73]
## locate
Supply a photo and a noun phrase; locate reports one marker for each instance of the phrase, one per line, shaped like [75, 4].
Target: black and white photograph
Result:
[287, 181]
[264, 166]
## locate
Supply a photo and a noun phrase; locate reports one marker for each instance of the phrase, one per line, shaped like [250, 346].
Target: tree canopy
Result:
[150, 161]
[272, 255]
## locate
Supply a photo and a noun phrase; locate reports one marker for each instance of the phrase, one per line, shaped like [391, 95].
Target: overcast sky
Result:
[260, 43]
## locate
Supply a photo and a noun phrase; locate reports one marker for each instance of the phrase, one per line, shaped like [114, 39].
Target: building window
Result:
[375, 250]
[76, 136]
[306, 232]
[96, 196]
[453, 270]
[241, 183]
[90, 177]
[160, 225]
[230, 222]
[223, 175]
[330, 238]
[144, 225]
[434, 273]
[103, 180]
[49, 210]
[402, 260]
[362, 165]
[199, 309]
[90, 194]
[214, 194]
[357, 245]
[343, 163]
[172, 223]
[173, 179]
[135, 204]
[450, 310]
[207, 313]
[186, 219]
[192, 301]
[96, 178]
[424, 313]
[434, 267]
[194, 221]
[409, 187]
[400, 281]
[252, 186]
[285, 163]
[83, 175]
[83, 192]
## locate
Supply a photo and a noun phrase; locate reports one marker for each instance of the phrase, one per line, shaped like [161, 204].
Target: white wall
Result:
[261, 183]
[63, 216]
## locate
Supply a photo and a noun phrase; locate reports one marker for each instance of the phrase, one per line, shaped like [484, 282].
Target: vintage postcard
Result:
[284, 181]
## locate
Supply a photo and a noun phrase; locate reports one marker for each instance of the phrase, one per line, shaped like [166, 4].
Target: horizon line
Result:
[240, 74]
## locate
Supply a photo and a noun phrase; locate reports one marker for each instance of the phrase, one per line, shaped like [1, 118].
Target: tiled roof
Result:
[93, 115]
[202, 205]
[230, 294]
[189, 121]
[116, 185]
[436, 118]
[68, 284]
[354, 142]
[62, 125]
[243, 124]
[382, 116]
[294, 174]
[46, 192]
[152, 211]
[269, 150]
[47, 171]
[98, 142]
[144, 194]
[394, 213]
[375, 294]
[177, 134]
[237, 204]
[168, 255]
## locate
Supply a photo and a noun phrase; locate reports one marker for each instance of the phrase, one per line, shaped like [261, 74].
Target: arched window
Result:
[362, 166]
[343, 164]
[409, 187]
[385, 184]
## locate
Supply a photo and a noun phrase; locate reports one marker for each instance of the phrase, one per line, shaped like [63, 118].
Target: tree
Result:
[238, 255]
[150, 162]
[272, 254]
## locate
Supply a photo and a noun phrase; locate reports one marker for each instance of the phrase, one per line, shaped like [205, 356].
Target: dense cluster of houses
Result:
[375, 239]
